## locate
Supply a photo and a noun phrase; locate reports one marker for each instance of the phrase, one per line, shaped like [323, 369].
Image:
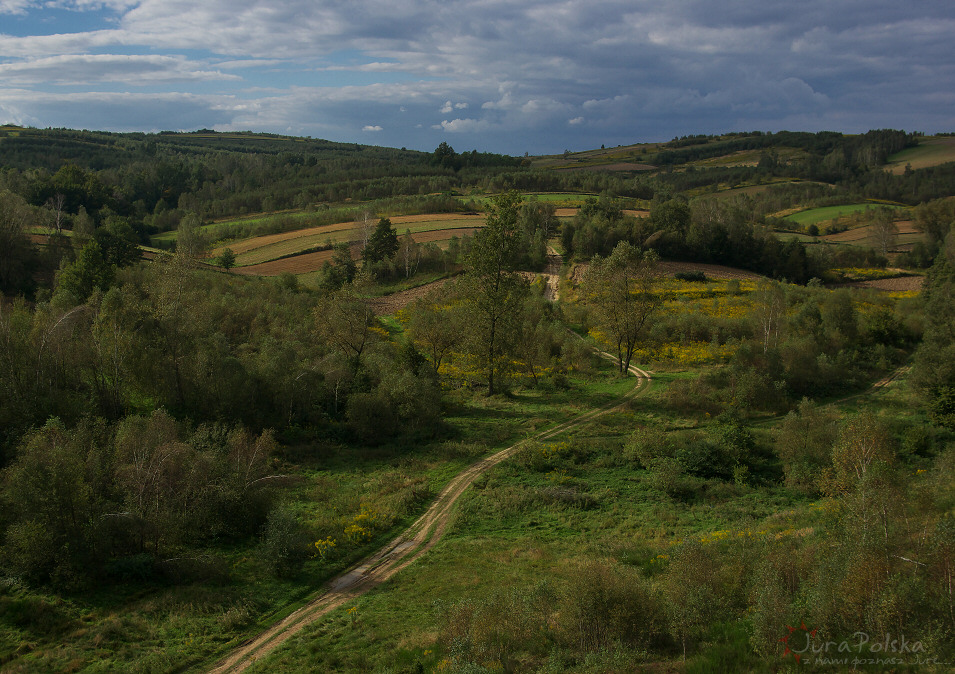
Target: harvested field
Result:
[621, 166]
[740, 158]
[389, 304]
[241, 247]
[571, 212]
[300, 264]
[311, 262]
[441, 235]
[893, 285]
[815, 216]
[905, 227]
[715, 271]
[283, 249]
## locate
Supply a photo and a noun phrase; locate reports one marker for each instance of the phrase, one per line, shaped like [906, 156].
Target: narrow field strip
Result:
[272, 251]
[401, 222]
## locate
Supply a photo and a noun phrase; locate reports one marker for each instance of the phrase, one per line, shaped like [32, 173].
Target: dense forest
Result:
[173, 430]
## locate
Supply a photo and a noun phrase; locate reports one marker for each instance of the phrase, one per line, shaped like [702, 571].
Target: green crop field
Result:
[816, 215]
[557, 198]
[220, 229]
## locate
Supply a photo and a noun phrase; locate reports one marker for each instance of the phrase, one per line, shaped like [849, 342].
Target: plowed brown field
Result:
[905, 227]
[898, 284]
[717, 271]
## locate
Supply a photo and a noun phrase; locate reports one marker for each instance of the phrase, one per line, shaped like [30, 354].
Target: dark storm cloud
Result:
[518, 75]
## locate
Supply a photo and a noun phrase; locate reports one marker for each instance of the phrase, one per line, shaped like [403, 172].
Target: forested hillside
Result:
[192, 447]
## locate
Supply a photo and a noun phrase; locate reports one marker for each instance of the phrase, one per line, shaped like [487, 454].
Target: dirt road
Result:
[403, 550]
[552, 275]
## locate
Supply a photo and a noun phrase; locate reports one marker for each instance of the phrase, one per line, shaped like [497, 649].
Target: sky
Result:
[509, 76]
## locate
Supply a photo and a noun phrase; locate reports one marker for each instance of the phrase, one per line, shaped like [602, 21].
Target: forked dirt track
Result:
[411, 544]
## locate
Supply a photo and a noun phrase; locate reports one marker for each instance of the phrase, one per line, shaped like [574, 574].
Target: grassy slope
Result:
[930, 151]
[506, 535]
[156, 627]
[817, 215]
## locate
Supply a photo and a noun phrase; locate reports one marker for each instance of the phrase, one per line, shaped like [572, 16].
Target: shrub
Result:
[647, 444]
[667, 476]
[706, 459]
[284, 545]
[371, 418]
[605, 604]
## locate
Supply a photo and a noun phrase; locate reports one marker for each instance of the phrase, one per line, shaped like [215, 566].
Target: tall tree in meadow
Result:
[770, 313]
[495, 291]
[623, 291]
[409, 253]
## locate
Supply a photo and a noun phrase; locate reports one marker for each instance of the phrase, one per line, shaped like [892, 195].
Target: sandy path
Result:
[552, 274]
[411, 544]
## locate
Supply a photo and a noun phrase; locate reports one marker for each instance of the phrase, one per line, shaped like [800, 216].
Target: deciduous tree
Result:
[492, 286]
[18, 257]
[434, 324]
[623, 290]
[884, 231]
[345, 320]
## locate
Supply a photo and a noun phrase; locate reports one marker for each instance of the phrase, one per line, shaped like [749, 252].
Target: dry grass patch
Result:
[930, 152]
[713, 271]
[899, 284]
[300, 264]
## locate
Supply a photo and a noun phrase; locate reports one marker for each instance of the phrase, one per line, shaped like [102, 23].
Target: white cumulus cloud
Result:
[463, 125]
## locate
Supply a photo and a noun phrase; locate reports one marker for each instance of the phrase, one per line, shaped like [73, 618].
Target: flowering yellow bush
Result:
[725, 534]
[559, 476]
[363, 525]
[323, 547]
[864, 273]
[693, 353]
[466, 367]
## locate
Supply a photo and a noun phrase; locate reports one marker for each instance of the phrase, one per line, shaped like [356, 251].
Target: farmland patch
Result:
[814, 216]
[929, 152]
[424, 229]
